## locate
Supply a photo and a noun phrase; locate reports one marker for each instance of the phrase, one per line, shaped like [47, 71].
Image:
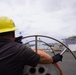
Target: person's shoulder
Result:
[19, 46]
[14, 45]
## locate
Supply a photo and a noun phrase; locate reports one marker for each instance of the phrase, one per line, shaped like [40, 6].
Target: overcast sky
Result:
[55, 18]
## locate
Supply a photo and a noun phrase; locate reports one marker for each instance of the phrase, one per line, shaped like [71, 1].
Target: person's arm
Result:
[47, 59]
[44, 57]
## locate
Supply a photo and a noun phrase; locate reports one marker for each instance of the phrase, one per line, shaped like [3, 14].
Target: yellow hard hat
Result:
[6, 25]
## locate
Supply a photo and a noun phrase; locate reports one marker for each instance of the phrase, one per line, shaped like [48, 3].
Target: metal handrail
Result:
[49, 38]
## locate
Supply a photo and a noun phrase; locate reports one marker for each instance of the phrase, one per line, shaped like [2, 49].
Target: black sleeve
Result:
[28, 56]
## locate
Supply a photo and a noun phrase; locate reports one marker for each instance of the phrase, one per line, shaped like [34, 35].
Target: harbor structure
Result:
[70, 42]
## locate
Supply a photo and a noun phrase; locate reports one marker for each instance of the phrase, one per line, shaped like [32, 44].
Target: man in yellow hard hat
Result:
[14, 55]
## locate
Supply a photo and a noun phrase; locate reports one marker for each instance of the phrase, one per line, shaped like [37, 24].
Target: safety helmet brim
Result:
[8, 30]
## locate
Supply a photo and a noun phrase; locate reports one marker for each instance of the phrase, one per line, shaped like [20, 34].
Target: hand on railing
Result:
[57, 58]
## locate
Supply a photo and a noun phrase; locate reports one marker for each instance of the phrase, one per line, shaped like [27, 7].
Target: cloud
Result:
[46, 17]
